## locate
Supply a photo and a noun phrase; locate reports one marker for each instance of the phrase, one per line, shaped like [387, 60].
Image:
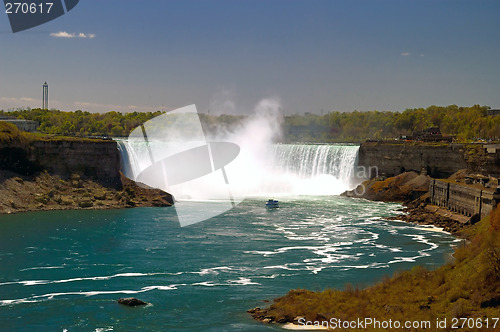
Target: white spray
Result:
[264, 168]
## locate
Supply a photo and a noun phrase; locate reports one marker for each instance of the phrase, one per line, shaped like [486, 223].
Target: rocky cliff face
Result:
[440, 160]
[480, 161]
[60, 174]
[45, 191]
[99, 160]
[94, 159]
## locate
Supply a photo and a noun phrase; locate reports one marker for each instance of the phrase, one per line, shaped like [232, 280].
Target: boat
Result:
[272, 204]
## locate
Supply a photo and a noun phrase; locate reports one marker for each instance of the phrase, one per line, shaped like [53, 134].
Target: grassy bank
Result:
[469, 286]
[11, 135]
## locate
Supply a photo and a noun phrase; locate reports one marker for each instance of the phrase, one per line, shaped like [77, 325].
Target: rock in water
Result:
[131, 301]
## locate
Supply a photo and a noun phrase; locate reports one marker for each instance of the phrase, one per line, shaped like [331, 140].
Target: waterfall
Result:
[313, 169]
[129, 162]
[284, 169]
[311, 160]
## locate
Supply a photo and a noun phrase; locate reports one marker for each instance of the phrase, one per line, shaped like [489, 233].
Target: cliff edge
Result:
[438, 159]
[57, 173]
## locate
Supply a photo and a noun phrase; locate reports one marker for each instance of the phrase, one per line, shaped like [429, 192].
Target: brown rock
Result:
[131, 301]
[87, 203]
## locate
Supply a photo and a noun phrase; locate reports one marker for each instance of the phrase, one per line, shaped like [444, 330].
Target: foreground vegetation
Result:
[468, 287]
[466, 123]
[10, 134]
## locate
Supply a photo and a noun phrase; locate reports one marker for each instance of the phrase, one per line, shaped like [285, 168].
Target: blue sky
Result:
[227, 55]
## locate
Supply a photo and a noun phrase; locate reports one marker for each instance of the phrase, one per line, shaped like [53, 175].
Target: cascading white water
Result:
[314, 169]
[310, 160]
[284, 169]
[129, 163]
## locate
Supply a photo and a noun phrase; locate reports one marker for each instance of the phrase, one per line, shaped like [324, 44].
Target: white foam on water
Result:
[103, 329]
[272, 276]
[282, 267]
[263, 253]
[432, 228]
[50, 296]
[46, 282]
[213, 270]
[205, 283]
[171, 287]
[243, 281]
[404, 259]
[42, 268]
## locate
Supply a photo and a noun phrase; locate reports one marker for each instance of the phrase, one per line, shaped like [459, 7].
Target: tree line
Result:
[466, 123]
[80, 123]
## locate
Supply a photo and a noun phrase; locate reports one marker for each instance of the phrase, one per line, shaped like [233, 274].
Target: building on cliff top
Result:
[472, 200]
[431, 134]
[24, 125]
[492, 148]
[493, 112]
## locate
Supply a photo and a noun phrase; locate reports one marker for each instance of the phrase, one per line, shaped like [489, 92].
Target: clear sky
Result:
[226, 55]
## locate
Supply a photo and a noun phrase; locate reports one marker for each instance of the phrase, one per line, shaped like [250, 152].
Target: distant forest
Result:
[466, 123]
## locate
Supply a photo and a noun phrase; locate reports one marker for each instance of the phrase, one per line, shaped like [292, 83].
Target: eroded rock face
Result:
[131, 301]
[50, 192]
[94, 159]
[99, 160]
[404, 187]
[68, 173]
[439, 160]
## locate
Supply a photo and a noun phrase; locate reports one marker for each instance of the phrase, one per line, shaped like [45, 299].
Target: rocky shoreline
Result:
[411, 190]
[44, 191]
[422, 216]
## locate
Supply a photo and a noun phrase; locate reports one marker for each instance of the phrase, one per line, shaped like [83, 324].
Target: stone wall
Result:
[96, 159]
[440, 160]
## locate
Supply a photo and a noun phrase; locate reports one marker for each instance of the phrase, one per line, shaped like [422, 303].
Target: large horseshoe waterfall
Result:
[280, 169]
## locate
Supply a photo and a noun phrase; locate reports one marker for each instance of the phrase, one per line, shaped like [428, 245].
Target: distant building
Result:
[492, 148]
[431, 134]
[468, 200]
[24, 125]
[7, 117]
[494, 112]
[45, 96]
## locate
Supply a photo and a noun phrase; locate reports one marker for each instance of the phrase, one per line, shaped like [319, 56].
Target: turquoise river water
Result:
[64, 270]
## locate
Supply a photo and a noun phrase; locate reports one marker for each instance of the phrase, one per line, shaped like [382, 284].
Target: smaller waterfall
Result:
[129, 163]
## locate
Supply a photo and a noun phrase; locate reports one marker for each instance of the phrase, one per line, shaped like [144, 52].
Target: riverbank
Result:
[44, 191]
[466, 287]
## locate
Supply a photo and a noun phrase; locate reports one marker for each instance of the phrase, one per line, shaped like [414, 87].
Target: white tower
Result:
[45, 96]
